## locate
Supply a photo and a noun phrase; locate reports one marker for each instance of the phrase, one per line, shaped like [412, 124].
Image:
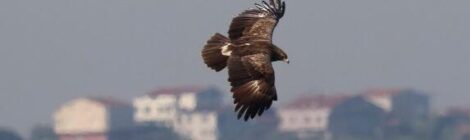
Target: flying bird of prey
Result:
[248, 53]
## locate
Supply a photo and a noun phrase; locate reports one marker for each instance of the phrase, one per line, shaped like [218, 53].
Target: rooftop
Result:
[316, 101]
[458, 111]
[379, 92]
[178, 90]
[108, 101]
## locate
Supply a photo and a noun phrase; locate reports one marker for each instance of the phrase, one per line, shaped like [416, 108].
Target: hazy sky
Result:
[52, 51]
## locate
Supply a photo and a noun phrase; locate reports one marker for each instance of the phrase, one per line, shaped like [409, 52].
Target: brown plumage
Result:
[248, 53]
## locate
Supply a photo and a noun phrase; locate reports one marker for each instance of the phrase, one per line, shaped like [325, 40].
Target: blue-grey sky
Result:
[52, 51]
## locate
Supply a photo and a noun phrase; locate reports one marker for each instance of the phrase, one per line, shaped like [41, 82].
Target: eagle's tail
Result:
[216, 51]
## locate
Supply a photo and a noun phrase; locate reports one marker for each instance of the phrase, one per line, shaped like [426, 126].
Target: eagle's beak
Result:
[287, 61]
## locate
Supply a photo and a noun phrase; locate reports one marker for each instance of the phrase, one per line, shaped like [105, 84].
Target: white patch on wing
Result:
[263, 15]
[255, 85]
[225, 51]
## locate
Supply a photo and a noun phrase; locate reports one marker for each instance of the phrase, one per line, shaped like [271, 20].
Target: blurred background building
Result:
[190, 111]
[356, 118]
[199, 113]
[94, 119]
[378, 114]
[308, 116]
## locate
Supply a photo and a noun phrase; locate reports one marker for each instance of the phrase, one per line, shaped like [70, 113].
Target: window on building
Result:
[168, 109]
[163, 110]
[147, 110]
[184, 118]
[291, 119]
[188, 119]
[205, 118]
[207, 132]
[307, 119]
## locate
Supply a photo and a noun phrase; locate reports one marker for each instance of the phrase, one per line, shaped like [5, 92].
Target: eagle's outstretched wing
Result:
[252, 80]
[257, 23]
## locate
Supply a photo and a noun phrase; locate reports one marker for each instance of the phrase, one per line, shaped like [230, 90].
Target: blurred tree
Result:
[261, 128]
[418, 130]
[447, 127]
[43, 132]
[7, 134]
[152, 132]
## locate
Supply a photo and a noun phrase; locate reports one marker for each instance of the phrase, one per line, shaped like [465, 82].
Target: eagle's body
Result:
[248, 53]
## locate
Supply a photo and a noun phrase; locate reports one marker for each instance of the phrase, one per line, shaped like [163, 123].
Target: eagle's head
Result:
[279, 55]
[283, 57]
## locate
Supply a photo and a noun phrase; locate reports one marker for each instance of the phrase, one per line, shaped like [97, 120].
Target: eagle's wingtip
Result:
[276, 8]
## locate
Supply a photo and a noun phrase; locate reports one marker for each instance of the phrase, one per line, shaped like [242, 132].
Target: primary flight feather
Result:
[248, 53]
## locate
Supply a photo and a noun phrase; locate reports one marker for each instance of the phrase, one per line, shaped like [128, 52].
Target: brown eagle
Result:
[248, 53]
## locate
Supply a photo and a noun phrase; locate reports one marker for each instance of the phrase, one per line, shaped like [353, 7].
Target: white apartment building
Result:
[308, 116]
[190, 111]
[92, 119]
